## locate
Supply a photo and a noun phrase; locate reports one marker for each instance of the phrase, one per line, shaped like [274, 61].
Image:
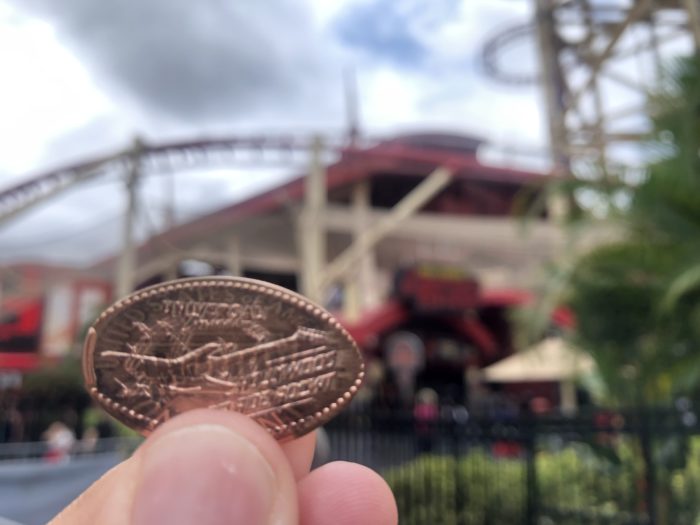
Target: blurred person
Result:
[59, 442]
[16, 425]
[540, 405]
[425, 413]
[12, 425]
[209, 467]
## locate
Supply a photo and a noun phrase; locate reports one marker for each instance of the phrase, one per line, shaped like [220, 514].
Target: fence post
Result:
[645, 441]
[531, 493]
[459, 501]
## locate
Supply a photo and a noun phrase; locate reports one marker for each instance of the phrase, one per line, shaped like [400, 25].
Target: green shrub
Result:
[572, 484]
[477, 489]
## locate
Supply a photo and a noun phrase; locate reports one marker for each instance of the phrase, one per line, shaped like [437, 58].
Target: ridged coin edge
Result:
[242, 283]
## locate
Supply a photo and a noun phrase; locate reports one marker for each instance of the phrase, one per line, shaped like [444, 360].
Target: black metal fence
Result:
[599, 467]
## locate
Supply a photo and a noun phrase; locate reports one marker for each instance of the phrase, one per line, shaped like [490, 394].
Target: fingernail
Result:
[207, 475]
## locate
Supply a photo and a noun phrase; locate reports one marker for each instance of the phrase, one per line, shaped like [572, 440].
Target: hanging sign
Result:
[437, 289]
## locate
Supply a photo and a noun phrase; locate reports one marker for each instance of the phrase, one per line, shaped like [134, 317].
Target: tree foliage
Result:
[637, 298]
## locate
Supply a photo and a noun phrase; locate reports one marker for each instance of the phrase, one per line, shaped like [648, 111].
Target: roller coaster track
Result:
[175, 155]
[494, 46]
[569, 15]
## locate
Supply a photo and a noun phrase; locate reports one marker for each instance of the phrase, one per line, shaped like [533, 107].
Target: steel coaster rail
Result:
[173, 155]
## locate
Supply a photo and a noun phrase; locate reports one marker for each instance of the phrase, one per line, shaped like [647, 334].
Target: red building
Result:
[43, 311]
[454, 262]
[422, 268]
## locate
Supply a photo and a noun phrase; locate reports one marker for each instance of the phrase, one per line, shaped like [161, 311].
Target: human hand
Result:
[209, 467]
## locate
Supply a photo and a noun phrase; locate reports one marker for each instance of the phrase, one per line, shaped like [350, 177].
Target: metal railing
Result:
[30, 451]
[637, 466]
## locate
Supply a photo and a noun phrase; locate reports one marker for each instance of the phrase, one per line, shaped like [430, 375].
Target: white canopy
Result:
[550, 360]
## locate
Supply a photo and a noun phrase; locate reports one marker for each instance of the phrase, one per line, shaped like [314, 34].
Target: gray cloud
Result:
[100, 136]
[204, 61]
[175, 67]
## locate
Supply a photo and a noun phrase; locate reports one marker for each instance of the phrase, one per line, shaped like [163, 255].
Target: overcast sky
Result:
[81, 77]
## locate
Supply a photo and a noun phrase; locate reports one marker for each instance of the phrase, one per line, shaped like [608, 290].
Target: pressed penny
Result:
[221, 342]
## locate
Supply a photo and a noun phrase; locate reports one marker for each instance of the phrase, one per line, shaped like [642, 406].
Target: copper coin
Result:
[221, 342]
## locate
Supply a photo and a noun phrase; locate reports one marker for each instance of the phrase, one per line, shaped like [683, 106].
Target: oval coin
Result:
[221, 342]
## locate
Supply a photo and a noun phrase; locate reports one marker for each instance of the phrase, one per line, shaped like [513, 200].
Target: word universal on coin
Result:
[221, 342]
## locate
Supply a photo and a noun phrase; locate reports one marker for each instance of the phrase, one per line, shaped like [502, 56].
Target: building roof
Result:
[550, 360]
[407, 155]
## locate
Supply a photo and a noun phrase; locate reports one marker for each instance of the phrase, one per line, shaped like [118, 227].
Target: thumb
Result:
[203, 467]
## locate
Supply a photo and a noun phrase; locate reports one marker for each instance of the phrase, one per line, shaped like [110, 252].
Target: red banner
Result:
[436, 289]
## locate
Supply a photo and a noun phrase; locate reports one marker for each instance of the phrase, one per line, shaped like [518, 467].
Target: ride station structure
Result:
[418, 247]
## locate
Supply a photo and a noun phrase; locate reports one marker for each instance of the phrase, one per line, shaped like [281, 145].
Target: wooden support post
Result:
[127, 260]
[233, 255]
[344, 263]
[311, 234]
[361, 293]
[553, 84]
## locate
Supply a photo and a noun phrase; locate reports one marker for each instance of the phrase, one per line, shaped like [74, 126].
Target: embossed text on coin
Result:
[221, 342]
